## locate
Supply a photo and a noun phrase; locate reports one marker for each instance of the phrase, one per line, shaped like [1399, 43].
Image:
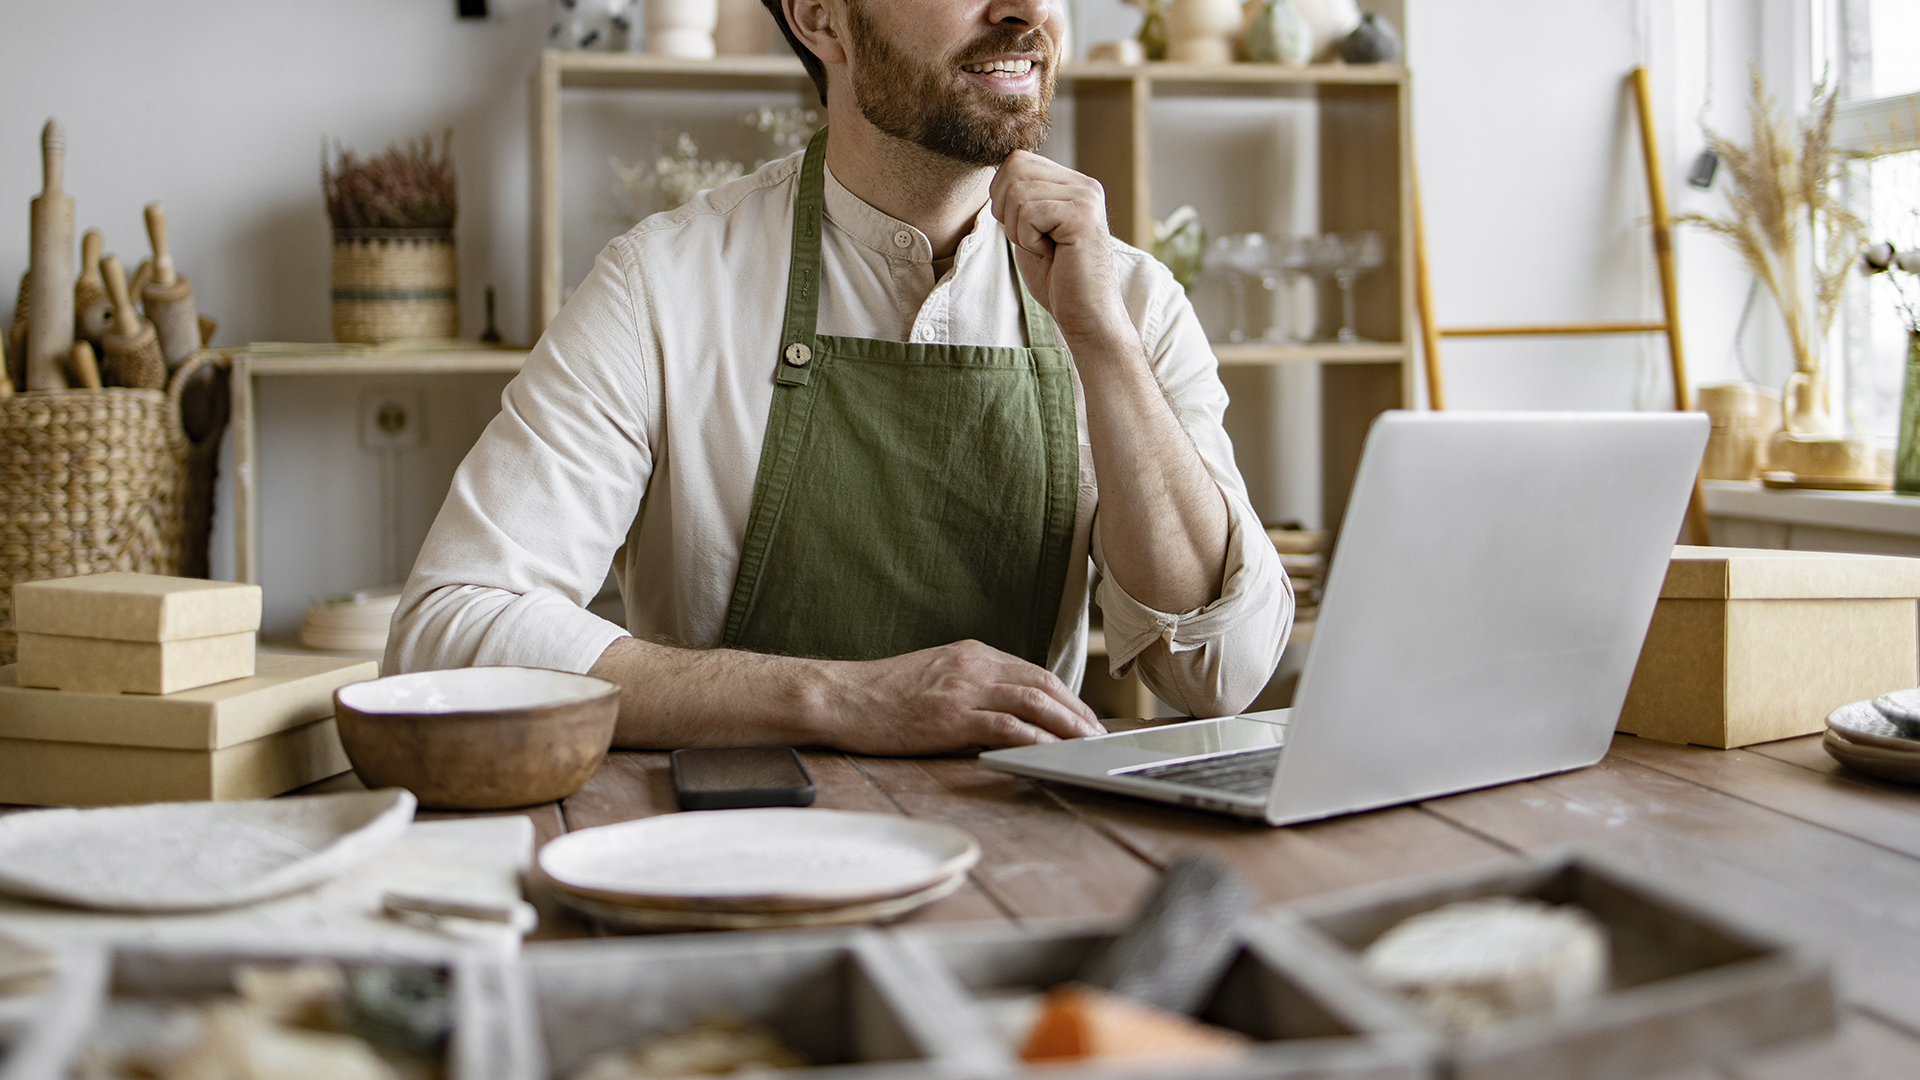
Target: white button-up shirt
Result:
[632, 437]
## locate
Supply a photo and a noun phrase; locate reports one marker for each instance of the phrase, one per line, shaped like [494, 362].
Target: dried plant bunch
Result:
[1794, 233]
[408, 187]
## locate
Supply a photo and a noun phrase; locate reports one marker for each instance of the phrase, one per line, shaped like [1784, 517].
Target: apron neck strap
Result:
[798, 334]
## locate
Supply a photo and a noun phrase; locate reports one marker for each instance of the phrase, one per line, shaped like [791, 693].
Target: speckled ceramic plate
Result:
[645, 918]
[1899, 765]
[761, 860]
[1864, 723]
[1901, 707]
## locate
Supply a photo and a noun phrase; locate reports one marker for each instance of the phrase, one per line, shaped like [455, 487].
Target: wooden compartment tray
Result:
[1309, 1019]
[1688, 983]
[844, 999]
[492, 1037]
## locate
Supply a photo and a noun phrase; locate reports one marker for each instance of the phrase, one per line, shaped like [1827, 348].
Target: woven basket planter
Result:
[93, 481]
[394, 284]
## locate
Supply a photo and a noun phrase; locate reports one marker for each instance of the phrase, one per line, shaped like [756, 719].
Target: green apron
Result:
[909, 494]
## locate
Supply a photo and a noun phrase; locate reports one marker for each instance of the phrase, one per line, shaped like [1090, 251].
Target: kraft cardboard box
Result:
[1749, 645]
[133, 633]
[244, 739]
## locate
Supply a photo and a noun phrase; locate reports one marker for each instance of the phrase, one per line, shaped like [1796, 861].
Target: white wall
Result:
[219, 108]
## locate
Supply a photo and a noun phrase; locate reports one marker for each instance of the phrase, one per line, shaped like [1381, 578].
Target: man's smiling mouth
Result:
[996, 67]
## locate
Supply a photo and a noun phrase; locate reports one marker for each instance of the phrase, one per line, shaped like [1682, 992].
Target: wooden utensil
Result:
[6, 381]
[17, 336]
[50, 273]
[133, 356]
[92, 308]
[82, 368]
[169, 299]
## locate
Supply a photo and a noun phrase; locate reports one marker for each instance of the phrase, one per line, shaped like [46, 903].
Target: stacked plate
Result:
[1879, 737]
[356, 622]
[757, 869]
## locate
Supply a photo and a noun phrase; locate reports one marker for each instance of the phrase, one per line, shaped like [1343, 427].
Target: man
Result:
[848, 466]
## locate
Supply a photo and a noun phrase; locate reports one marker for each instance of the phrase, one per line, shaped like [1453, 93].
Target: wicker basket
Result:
[93, 481]
[394, 284]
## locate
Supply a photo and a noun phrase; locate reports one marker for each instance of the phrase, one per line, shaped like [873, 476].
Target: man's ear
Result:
[817, 24]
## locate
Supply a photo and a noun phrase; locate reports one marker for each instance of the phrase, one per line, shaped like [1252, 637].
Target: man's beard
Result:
[928, 105]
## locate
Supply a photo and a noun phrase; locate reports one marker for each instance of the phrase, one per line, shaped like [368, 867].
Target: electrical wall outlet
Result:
[392, 419]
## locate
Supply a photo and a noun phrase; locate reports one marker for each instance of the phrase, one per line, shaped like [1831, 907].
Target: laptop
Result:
[1481, 621]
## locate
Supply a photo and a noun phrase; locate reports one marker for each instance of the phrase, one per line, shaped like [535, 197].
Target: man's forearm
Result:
[930, 701]
[1163, 520]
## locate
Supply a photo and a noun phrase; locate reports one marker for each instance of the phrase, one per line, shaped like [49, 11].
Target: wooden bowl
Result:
[481, 738]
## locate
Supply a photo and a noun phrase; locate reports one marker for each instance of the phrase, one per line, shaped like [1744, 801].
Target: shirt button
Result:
[903, 238]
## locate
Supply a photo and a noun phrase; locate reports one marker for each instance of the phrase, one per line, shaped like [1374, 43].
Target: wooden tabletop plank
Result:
[1769, 869]
[1863, 1049]
[1880, 813]
[1292, 862]
[1038, 859]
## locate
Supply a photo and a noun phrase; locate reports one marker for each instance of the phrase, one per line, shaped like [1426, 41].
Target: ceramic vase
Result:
[682, 28]
[743, 28]
[592, 25]
[1275, 33]
[1153, 31]
[1201, 31]
[1906, 460]
[1329, 21]
[1372, 42]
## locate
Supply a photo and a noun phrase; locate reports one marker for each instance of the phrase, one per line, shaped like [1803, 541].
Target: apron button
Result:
[798, 354]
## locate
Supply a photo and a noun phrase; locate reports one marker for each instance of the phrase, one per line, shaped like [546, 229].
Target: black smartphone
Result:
[729, 778]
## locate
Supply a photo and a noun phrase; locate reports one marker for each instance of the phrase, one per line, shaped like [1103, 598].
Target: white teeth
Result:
[1011, 67]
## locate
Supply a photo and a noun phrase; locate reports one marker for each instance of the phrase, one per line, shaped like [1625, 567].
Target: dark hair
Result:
[816, 70]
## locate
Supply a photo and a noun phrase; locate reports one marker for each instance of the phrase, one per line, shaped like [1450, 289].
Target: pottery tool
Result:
[1177, 948]
[169, 300]
[132, 348]
[50, 273]
[92, 309]
[6, 381]
[82, 369]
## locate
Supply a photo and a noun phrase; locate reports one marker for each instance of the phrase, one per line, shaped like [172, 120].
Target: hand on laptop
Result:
[947, 698]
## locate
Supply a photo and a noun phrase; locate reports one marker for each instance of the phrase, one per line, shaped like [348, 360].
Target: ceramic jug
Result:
[1275, 33]
[1201, 31]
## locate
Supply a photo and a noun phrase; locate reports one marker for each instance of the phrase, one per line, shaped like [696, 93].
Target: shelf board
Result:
[336, 360]
[1330, 352]
[637, 71]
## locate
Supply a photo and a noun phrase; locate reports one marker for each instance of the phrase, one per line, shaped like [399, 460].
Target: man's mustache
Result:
[1000, 40]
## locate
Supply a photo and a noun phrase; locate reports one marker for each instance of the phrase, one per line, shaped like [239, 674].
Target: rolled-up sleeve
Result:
[1214, 660]
[542, 502]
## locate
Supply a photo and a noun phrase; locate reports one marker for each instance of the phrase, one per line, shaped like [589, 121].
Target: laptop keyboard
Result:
[1250, 773]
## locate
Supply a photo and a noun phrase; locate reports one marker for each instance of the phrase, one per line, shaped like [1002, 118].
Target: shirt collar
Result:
[882, 232]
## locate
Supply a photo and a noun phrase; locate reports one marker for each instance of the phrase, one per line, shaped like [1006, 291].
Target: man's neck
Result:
[935, 194]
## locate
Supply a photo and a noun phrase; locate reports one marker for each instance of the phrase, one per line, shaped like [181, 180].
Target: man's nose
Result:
[1028, 13]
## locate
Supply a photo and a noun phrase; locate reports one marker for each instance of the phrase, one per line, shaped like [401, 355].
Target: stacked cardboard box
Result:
[134, 633]
[139, 688]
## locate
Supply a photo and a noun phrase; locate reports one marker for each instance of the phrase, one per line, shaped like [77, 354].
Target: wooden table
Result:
[1778, 833]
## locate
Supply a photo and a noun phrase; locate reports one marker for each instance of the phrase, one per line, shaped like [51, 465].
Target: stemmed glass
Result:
[1344, 257]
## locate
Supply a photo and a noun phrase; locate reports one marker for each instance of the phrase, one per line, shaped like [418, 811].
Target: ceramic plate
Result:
[194, 856]
[1900, 706]
[640, 918]
[757, 860]
[1864, 723]
[1781, 481]
[1899, 765]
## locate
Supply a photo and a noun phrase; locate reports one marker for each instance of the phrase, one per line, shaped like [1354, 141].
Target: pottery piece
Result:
[1744, 418]
[743, 28]
[1329, 21]
[1275, 33]
[194, 856]
[682, 28]
[1374, 41]
[481, 738]
[592, 25]
[759, 860]
[1125, 51]
[1906, 459]
[1201, 31]
[1811, 443]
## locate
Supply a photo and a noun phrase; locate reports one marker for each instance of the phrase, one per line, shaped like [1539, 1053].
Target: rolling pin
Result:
[50, 273]
[92, 309]
[82, 367]
[132, 348]
[169, 299]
